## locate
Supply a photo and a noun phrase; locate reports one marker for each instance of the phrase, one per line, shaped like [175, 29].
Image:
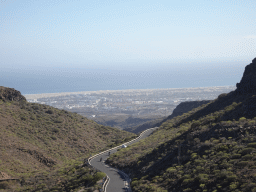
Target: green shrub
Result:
[252, 122]
[242, 163]
[233, 186]
[55, 130]
[171, 170]
[194, 155]
[216, 172]
[222, 147]
[252, 145]
[247, 157]
[58, 120]
[202, 177]
[187, 181]
[87, 178]
[98, 176]
[231, 178]
[49, 111]
[134, 183]
[236, 156]
[242, 119]
[35, 107]
[246, 150]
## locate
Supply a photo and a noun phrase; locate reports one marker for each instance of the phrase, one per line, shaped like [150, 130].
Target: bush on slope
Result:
[36, 138]
[211, 148]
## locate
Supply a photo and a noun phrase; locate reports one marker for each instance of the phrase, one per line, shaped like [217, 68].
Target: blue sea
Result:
[36, 80]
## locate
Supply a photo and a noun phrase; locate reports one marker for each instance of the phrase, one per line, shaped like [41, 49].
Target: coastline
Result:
[46, 95]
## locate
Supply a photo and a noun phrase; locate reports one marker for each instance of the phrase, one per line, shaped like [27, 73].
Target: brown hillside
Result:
[37, 137]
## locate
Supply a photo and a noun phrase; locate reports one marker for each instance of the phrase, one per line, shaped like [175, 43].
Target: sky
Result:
[126, 34]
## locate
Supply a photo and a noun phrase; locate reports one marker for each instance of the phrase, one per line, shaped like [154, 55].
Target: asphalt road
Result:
[119, 181]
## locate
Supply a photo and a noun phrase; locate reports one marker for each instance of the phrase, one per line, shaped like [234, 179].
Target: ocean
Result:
[36, 80]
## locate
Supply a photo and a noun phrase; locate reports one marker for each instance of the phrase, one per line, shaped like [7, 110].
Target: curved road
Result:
[118, 180]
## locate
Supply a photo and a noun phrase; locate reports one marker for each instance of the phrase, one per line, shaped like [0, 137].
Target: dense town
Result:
[143, 102]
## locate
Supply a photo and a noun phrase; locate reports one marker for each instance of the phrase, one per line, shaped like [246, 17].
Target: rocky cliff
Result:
[10, 94]
[247, 84]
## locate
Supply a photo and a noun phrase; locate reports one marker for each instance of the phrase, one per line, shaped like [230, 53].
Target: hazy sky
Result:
[129, 33]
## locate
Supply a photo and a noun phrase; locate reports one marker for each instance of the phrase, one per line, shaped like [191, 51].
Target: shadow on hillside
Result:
[176, 150]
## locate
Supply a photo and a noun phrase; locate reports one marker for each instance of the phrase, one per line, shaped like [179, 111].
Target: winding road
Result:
[117, 181]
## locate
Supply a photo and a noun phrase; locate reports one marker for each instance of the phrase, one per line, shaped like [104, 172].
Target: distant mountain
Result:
[36, 141]
[123, 121]
[183, 107]
[211, 148]
[147, 125]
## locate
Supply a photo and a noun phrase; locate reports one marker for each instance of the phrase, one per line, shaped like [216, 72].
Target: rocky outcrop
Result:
[10, 94]
[247, 84]
[4, 176]
[40, 157]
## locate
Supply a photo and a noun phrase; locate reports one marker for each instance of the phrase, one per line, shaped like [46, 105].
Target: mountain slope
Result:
[183, 107]
[36, 137]
[211, 148]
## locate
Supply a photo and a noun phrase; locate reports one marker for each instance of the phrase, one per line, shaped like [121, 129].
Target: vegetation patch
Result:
[211, 148]
[37, 141]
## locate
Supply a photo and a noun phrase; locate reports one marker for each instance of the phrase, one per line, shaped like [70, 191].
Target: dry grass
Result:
[38, 138]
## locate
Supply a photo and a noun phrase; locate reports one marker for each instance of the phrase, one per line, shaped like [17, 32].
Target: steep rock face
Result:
[10, 94]
[247, 84]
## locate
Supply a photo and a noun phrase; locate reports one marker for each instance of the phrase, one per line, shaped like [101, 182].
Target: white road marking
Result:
[126, 176]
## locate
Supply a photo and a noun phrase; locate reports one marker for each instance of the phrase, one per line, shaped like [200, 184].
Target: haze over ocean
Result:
[74, 45]
[35, 80]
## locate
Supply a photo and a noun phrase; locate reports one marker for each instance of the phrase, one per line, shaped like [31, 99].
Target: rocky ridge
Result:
[10, 94]
[248, 81]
